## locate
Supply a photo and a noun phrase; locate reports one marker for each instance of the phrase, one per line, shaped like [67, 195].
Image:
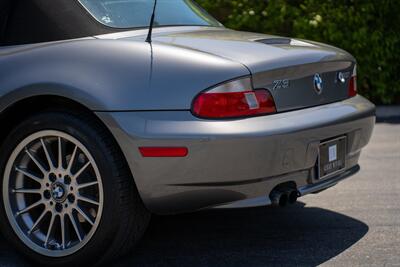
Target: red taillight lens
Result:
[353, 86]
[233, 104]
[162, 152]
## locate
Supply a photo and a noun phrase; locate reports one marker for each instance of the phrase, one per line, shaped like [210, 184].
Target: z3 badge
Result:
[281, 84]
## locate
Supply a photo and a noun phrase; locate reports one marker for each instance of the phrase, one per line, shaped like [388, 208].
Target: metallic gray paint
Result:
[143, 94]
[234, 160]
[296, 60]
[126, 74]
[111, 74]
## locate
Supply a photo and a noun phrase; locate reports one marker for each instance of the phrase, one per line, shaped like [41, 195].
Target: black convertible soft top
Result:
[34, 21]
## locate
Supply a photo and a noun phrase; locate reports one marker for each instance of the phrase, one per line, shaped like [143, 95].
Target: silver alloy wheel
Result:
[53, 193]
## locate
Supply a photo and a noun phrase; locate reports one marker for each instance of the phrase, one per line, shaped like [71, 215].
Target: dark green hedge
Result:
[369, 29]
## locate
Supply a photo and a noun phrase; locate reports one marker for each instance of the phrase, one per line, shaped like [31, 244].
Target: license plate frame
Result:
[332, 157]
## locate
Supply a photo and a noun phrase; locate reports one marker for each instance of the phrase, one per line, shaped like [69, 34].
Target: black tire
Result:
[124, 218]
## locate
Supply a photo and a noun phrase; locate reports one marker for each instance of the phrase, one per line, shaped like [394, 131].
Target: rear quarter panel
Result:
[111, 75]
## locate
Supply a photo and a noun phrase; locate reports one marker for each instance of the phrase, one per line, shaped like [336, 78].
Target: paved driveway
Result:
[355, 223]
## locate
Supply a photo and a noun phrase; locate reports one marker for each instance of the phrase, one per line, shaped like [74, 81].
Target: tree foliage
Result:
[369, 29]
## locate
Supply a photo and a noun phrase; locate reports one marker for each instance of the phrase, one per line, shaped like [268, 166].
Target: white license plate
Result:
[332, 157]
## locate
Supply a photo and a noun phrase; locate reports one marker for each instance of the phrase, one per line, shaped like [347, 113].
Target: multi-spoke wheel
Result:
[53, 193]
[67, 192]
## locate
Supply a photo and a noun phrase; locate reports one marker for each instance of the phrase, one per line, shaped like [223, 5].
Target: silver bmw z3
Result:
[112, 110]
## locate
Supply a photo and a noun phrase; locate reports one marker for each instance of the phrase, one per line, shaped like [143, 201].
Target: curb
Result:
[388, 114]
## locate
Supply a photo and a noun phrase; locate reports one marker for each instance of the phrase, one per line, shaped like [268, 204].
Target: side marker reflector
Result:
[164, 152]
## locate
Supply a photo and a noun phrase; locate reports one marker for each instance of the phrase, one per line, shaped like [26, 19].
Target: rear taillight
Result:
[353, 84]
[233, 100]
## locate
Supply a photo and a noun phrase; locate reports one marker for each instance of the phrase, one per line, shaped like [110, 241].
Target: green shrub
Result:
[369, 29]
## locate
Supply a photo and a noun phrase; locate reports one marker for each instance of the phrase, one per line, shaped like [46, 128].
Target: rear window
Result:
[136, 13]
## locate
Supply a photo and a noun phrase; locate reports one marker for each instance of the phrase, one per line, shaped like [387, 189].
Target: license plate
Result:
[332, 157]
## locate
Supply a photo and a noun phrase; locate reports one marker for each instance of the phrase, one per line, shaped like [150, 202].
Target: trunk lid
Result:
[285, 66]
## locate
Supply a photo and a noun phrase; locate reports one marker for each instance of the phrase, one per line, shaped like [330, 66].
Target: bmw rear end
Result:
[263, 139]
[289, 123]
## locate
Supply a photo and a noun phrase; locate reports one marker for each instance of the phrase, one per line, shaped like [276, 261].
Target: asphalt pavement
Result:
[356, 223]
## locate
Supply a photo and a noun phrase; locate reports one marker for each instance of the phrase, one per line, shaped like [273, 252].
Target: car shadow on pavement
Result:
[296, 235]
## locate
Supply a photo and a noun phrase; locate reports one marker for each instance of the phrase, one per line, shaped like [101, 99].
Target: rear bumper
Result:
[231, 163]
[312, 187]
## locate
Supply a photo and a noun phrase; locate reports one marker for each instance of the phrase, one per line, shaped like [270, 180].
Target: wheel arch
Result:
[16, 112]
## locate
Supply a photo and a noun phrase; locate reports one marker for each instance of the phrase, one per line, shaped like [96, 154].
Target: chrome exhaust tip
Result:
[279, 198]
[283, 200]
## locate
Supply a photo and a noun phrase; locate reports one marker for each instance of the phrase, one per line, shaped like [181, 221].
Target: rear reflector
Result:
[219, 105]
[163, 152]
